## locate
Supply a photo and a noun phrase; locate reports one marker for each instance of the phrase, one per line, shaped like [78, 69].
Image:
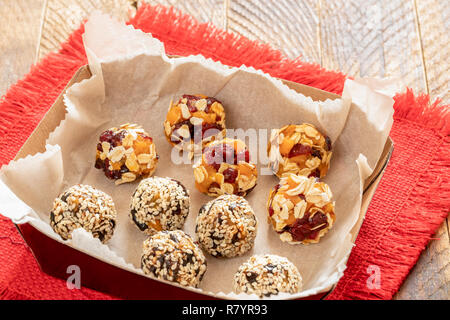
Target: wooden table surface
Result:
[406, 39]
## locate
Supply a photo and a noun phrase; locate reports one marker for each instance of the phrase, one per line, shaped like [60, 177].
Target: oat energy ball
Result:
[193, 121]
[300, 209]
[225, 168]
[299, 149]
[226, 226]
[126, 153]
[173, 256]
[268, 274]
[159, 204]
[82, 206]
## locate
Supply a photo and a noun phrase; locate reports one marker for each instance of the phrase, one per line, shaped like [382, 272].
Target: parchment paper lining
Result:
[134, 81]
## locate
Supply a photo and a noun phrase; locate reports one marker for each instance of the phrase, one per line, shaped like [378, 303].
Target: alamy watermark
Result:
[374, 279]
[74, 279]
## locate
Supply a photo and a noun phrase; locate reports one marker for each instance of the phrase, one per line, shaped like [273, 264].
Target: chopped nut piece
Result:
[201, 104]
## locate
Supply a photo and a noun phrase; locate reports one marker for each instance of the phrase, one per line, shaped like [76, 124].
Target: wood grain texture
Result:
[430, 277]
[399, 38]
[433, 21]
[61, 17]
[372, 39]
[213, 11]
[291, 26]
[19, 30]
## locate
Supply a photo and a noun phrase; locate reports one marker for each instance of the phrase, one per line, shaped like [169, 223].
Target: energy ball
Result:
[299, 149]
[173, 256]
[126, 153]
[226, 226]
[159, 204]
[225, 168]
[82, 206]
[268, 274]
[193, 121]
[300, 209]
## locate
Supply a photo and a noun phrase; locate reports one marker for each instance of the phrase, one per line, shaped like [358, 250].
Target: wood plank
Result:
[372, 38]
[433, 19]
[430, 277]
[61, 17]
[291, 26]
[213, 11]
[19, 29]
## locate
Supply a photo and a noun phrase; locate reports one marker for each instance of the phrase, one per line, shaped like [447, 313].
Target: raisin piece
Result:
[328, 143]
[98, 163]
[315, 173]
[251, 276]
[316, 153]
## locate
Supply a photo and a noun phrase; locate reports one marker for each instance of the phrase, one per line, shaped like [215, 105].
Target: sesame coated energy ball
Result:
[173, 256]
[299, 149]
[194, 121]
[226, 226]
[82, 206]
[126, 153]
[268, 274]
[225, 168]
[159, 204]
[301, 209]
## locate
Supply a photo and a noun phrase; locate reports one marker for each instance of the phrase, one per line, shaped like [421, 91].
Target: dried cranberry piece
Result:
[271, 211]
[217, 154]
[210, 157]
[328, 143]
[300, 231]
[299, 149]
[145, 137]
[315, 173]
[99, 147]
[228, 154]
[98, 163]
[243, 155]
[214, 185]
[210, 129]
[209, 102]
[191, 99]
[123, 169]
[316, 153]
[113, 174]
[230, 175]
[106, 136]
[318, 219]
[116, 139]
[178, 126]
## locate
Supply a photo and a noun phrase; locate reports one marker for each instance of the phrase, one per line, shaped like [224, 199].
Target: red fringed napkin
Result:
[412, 199]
